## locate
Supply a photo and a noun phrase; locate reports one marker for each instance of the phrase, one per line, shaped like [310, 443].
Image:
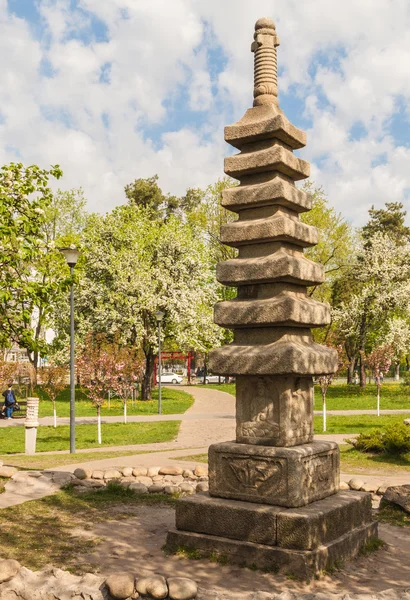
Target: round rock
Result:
[344, 485]
[7, 471]
[8, 569]
[98, 475]
[138, 488]
[187, 473]
[156, 489]
[112, 474]
[152, 471]
[171, 471]
[356, 484]
[171, 489]
[121, 585]
[127, 471]
[202, 486]
[81, 473]
[187, 488]
[182, 588]
[201, 470]
[139, 471]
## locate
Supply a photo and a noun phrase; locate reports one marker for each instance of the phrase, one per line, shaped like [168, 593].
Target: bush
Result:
[406, 380]
[395, 440]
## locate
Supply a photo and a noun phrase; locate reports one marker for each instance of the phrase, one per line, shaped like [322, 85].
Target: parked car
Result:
[216, 378]
[170, 378]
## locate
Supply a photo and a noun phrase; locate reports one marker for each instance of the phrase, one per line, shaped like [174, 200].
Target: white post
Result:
[324, 414]
[55, 415]
[31, 423]
[99, 427]
[378, 401]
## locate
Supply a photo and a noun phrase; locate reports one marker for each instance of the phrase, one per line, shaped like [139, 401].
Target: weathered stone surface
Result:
[145, 480]
[7, 471]
[382, 488]
[97, 475]
[138, 488]
[282, 560]
[112, 474]
[187, 473]
[344, 486]
[8, 569]
[368, 486]
[228, 518]
[281, 310]
[356, 484]
[127, 471]
[274, 411]
[276, 228]
[323, 521]
[81, 473]
[173, 479]
[286, 355]
[277, 191]
[182, 588]
[398, 495]
[120, 585]
[139, 471]
[265, 159]
[288, 477]
[171, 471]
[155, 586]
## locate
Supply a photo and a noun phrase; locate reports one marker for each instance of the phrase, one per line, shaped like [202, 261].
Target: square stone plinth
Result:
[304, 528]
[290, 477]
[300, 563]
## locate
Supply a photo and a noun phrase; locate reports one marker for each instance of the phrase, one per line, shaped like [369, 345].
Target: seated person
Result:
[9, 401]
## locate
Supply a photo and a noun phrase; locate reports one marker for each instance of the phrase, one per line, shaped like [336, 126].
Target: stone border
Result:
[145, 480]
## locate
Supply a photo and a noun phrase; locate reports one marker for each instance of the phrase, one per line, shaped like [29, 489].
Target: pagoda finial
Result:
[265, 90]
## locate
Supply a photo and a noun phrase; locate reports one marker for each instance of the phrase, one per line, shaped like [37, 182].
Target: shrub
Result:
[406, 380]
[395, 439]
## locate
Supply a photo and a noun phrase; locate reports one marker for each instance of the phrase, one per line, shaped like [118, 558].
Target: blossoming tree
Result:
[53, 381]
[379, 361]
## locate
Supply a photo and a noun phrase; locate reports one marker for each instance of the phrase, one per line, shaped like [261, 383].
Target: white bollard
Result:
[31, 423]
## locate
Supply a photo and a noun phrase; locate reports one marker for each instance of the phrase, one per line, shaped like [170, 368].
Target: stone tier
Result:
[290, 477]
[273, 190]
[299, 541]
[277, 228]
[294, 354]
[261, 160]
[281, 310]
[282, 265]
[264, 123]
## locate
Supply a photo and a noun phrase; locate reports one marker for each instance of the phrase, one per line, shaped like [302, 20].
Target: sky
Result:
[114, 90]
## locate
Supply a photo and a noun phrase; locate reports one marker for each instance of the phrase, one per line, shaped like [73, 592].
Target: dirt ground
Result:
[134, 544]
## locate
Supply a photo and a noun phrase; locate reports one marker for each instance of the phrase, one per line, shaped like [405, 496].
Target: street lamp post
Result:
[71, 255]
[159, 315]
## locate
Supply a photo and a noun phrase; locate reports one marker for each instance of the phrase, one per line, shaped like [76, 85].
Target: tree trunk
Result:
[397, 374]
[146, 388]
[350, 370]
[362, 348]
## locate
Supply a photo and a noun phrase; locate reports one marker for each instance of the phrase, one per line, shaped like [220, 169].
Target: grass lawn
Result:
[174, 401]
[351, 461]
[61, 519]
[349, 397]
[356, 423]
[50, 439]
[46, 461]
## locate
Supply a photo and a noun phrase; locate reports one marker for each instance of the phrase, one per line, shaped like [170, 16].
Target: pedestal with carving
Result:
[274, 498]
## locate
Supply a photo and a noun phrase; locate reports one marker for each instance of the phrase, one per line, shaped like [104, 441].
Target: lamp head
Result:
[71, 255]
[159, 316]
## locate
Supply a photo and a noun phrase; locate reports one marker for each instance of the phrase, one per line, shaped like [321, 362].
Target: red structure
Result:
[178, 355]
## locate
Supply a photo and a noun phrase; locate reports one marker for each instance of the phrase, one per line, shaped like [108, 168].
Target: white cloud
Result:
[93, 113]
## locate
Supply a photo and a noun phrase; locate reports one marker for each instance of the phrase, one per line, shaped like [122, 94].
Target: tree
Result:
[53, 381]
[336, 241]
[8, 372]
[146, 193]
[129, 370]
[97, 371]
[326, 380]
[65, 217]
[136, 264]
[380, 287]
[389, 221]
[24, 198]
[398, 337]
[379, 361]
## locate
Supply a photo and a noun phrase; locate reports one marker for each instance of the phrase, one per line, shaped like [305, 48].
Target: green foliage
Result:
[393, 440]
[389, 221]
[24, 199]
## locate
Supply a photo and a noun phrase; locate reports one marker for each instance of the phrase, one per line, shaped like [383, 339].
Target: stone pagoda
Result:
[274, 498]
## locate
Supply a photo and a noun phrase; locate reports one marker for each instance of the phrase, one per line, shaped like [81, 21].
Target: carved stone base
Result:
[289, 477]
[274, 411]
[301, 541]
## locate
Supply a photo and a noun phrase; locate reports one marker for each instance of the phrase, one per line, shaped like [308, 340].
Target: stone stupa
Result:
[274, 499]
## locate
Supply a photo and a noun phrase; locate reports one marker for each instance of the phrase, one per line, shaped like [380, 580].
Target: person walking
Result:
[9, 401]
